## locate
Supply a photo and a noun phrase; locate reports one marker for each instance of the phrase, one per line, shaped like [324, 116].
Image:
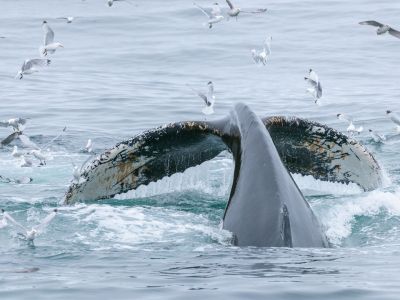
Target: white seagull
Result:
[23, 180]
[209, 99]
[235, 11]
[68, 19]
[15, 153]
[18, 124]
[25, 162]
[39, 156]
[89, 146]
[378, 138]
[29, 234]
[213, 17]
[76, 173]
[31, 66]
[263, 56]
[351, 129]
[315, 88]
[111, 2]
[394, 118]
[49, 46]
[382, 28]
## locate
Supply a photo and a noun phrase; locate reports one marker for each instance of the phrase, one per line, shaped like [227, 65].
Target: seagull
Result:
[15, 152]
[378, 138]
[68, 19]
[29, 234]
[111, 2]
[316, 89]
[49, 45]
[16, 123]
[382, 28]
[262, 56]
[39, 156]
[25, 162]
[54, 139]
[351, 129]
[235, 11]
[394, 118]
[214, 17]
[31, 66]
[76, 173]
[209, 99]
[23, 180]
[89, 146]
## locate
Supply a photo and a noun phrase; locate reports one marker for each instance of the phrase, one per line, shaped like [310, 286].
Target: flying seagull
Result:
[16, 123]
[378, 138]
[351, 129]
[235, 11]
[111, 2]
[315, 88]
[31, 66]
[394, 118]
[262, 56]
[213, 17]
[89, 146]
[382, 28]
[68, 19]
[49, 46]
[208, 99]
[29, 234]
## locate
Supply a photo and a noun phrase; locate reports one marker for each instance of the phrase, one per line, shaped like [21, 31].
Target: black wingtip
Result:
[55, 210]
[388, 111]
[44, 22]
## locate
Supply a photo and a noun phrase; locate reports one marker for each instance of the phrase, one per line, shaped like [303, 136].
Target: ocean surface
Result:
[125, 69]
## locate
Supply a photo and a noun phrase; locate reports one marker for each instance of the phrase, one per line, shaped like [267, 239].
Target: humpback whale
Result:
[265, 206]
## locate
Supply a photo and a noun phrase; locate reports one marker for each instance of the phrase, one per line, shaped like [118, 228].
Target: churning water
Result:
[124, 69]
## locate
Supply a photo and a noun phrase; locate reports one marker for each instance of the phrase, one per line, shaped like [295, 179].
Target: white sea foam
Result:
[338, 218]
[211, 177]
[130, 226]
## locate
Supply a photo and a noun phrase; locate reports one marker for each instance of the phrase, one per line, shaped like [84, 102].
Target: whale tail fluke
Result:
[305, 147]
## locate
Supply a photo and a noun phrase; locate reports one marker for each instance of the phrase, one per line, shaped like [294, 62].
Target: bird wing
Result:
[48, 34]
[54, 139]
[319, 90]
[210, 89]
[27, 142]
[4, 124]
[230, 4]
[46, 221]
[267, 45]
[200, 94]
[202, 9]
[21, 228]
[372, 23]
[313, 76]
[394, 32]
[39, 62]
[24, 67]
[10, 138]
[257, 11]
[395, 119]
[3, 223]
[216, 10]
